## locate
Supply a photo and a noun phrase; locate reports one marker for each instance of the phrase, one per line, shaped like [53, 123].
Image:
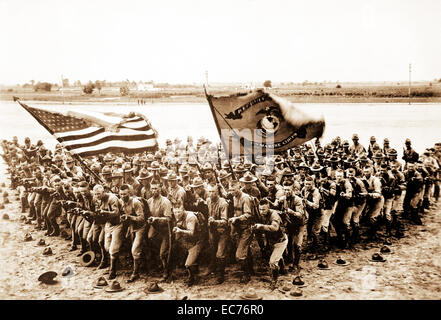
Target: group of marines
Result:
[187, 205]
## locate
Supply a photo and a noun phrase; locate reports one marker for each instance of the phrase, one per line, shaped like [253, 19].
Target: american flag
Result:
[89, 133]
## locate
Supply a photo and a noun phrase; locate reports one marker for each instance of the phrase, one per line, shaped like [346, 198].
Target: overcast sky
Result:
[235, 40]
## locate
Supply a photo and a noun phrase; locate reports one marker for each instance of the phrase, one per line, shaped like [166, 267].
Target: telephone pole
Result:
[62, 87]
[410, 71]
[206, 78]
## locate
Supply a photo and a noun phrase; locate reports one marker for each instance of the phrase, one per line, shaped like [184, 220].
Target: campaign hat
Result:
[48, 277]
[114, 287]
[248, 177]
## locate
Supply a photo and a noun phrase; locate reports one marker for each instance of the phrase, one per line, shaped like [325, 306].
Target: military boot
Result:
[192, 275]
[282, 267]
[296, 259]
[104, 263]
[347, 243]
[220, 271]
[355, 234]
[415, 218]
[49, 229]
[250, 264]
[135, 273]
[83, 247]
[23, 205]
[388, 229]
[275, 276]
[245, 278]
[56, 231]
[113, 262]
[32, 215]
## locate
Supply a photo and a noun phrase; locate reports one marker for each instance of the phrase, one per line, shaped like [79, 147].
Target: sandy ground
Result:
[412, 271]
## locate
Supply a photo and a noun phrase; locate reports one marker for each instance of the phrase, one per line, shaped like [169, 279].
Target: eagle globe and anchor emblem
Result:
[270, 123]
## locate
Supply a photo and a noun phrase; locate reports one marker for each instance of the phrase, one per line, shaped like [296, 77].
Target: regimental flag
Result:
[89, 133]
[262, 123]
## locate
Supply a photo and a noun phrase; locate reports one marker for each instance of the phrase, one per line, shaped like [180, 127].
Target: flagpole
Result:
[208, 97]
[76, 156]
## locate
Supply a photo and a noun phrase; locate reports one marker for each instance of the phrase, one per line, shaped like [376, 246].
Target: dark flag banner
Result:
[89, 133]
[262, 123]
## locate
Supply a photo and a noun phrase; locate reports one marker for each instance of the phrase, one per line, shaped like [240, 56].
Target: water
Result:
[419, 122]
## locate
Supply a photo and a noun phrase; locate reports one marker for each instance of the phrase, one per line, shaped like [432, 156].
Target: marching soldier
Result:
[359, 202]
[409, 154]
[241, 228]
[218, 232]
[343, 212]
[271, 224]
[160, 222]
[109, 208]
[374, 200]
[132, 213]
[188, 234]
[311, 202]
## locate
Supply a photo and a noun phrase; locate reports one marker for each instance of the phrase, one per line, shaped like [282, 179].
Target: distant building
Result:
[146, 87]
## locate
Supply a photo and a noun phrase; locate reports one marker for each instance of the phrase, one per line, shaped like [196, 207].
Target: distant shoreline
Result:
[307, 96]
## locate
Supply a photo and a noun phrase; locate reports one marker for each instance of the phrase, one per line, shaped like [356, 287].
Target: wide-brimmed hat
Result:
[239, 168]
[171, 176]
[225, 164]
[385, 250]
[114, 287]
[316, 167]
[144, 174]
[47, 251]
[296, 292]
[378, 155]
[127, 167]
[250, 294]
[163, 171]
[296, 158]
[192, 172]
[392, 152]
[48, 277]
[149, 157]
[153, 288]
[323, 265]
[197, 182]
[67, 272]
[87, 258]
[100, 283]
[387, 242]
[5, 216]
[341, 262]
[118, 173]
[207, 166]
[350, 160]
[224, 174]
[298, 281]
[28, 237]
[334, 158]
[154, 166]
[377, 257]
[303, 165]
[278, 160]
[41, 243]
[248, 178]
[46, 158]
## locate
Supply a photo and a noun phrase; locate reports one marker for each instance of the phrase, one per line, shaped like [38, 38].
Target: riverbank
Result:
[412, 271]
[311, 94]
